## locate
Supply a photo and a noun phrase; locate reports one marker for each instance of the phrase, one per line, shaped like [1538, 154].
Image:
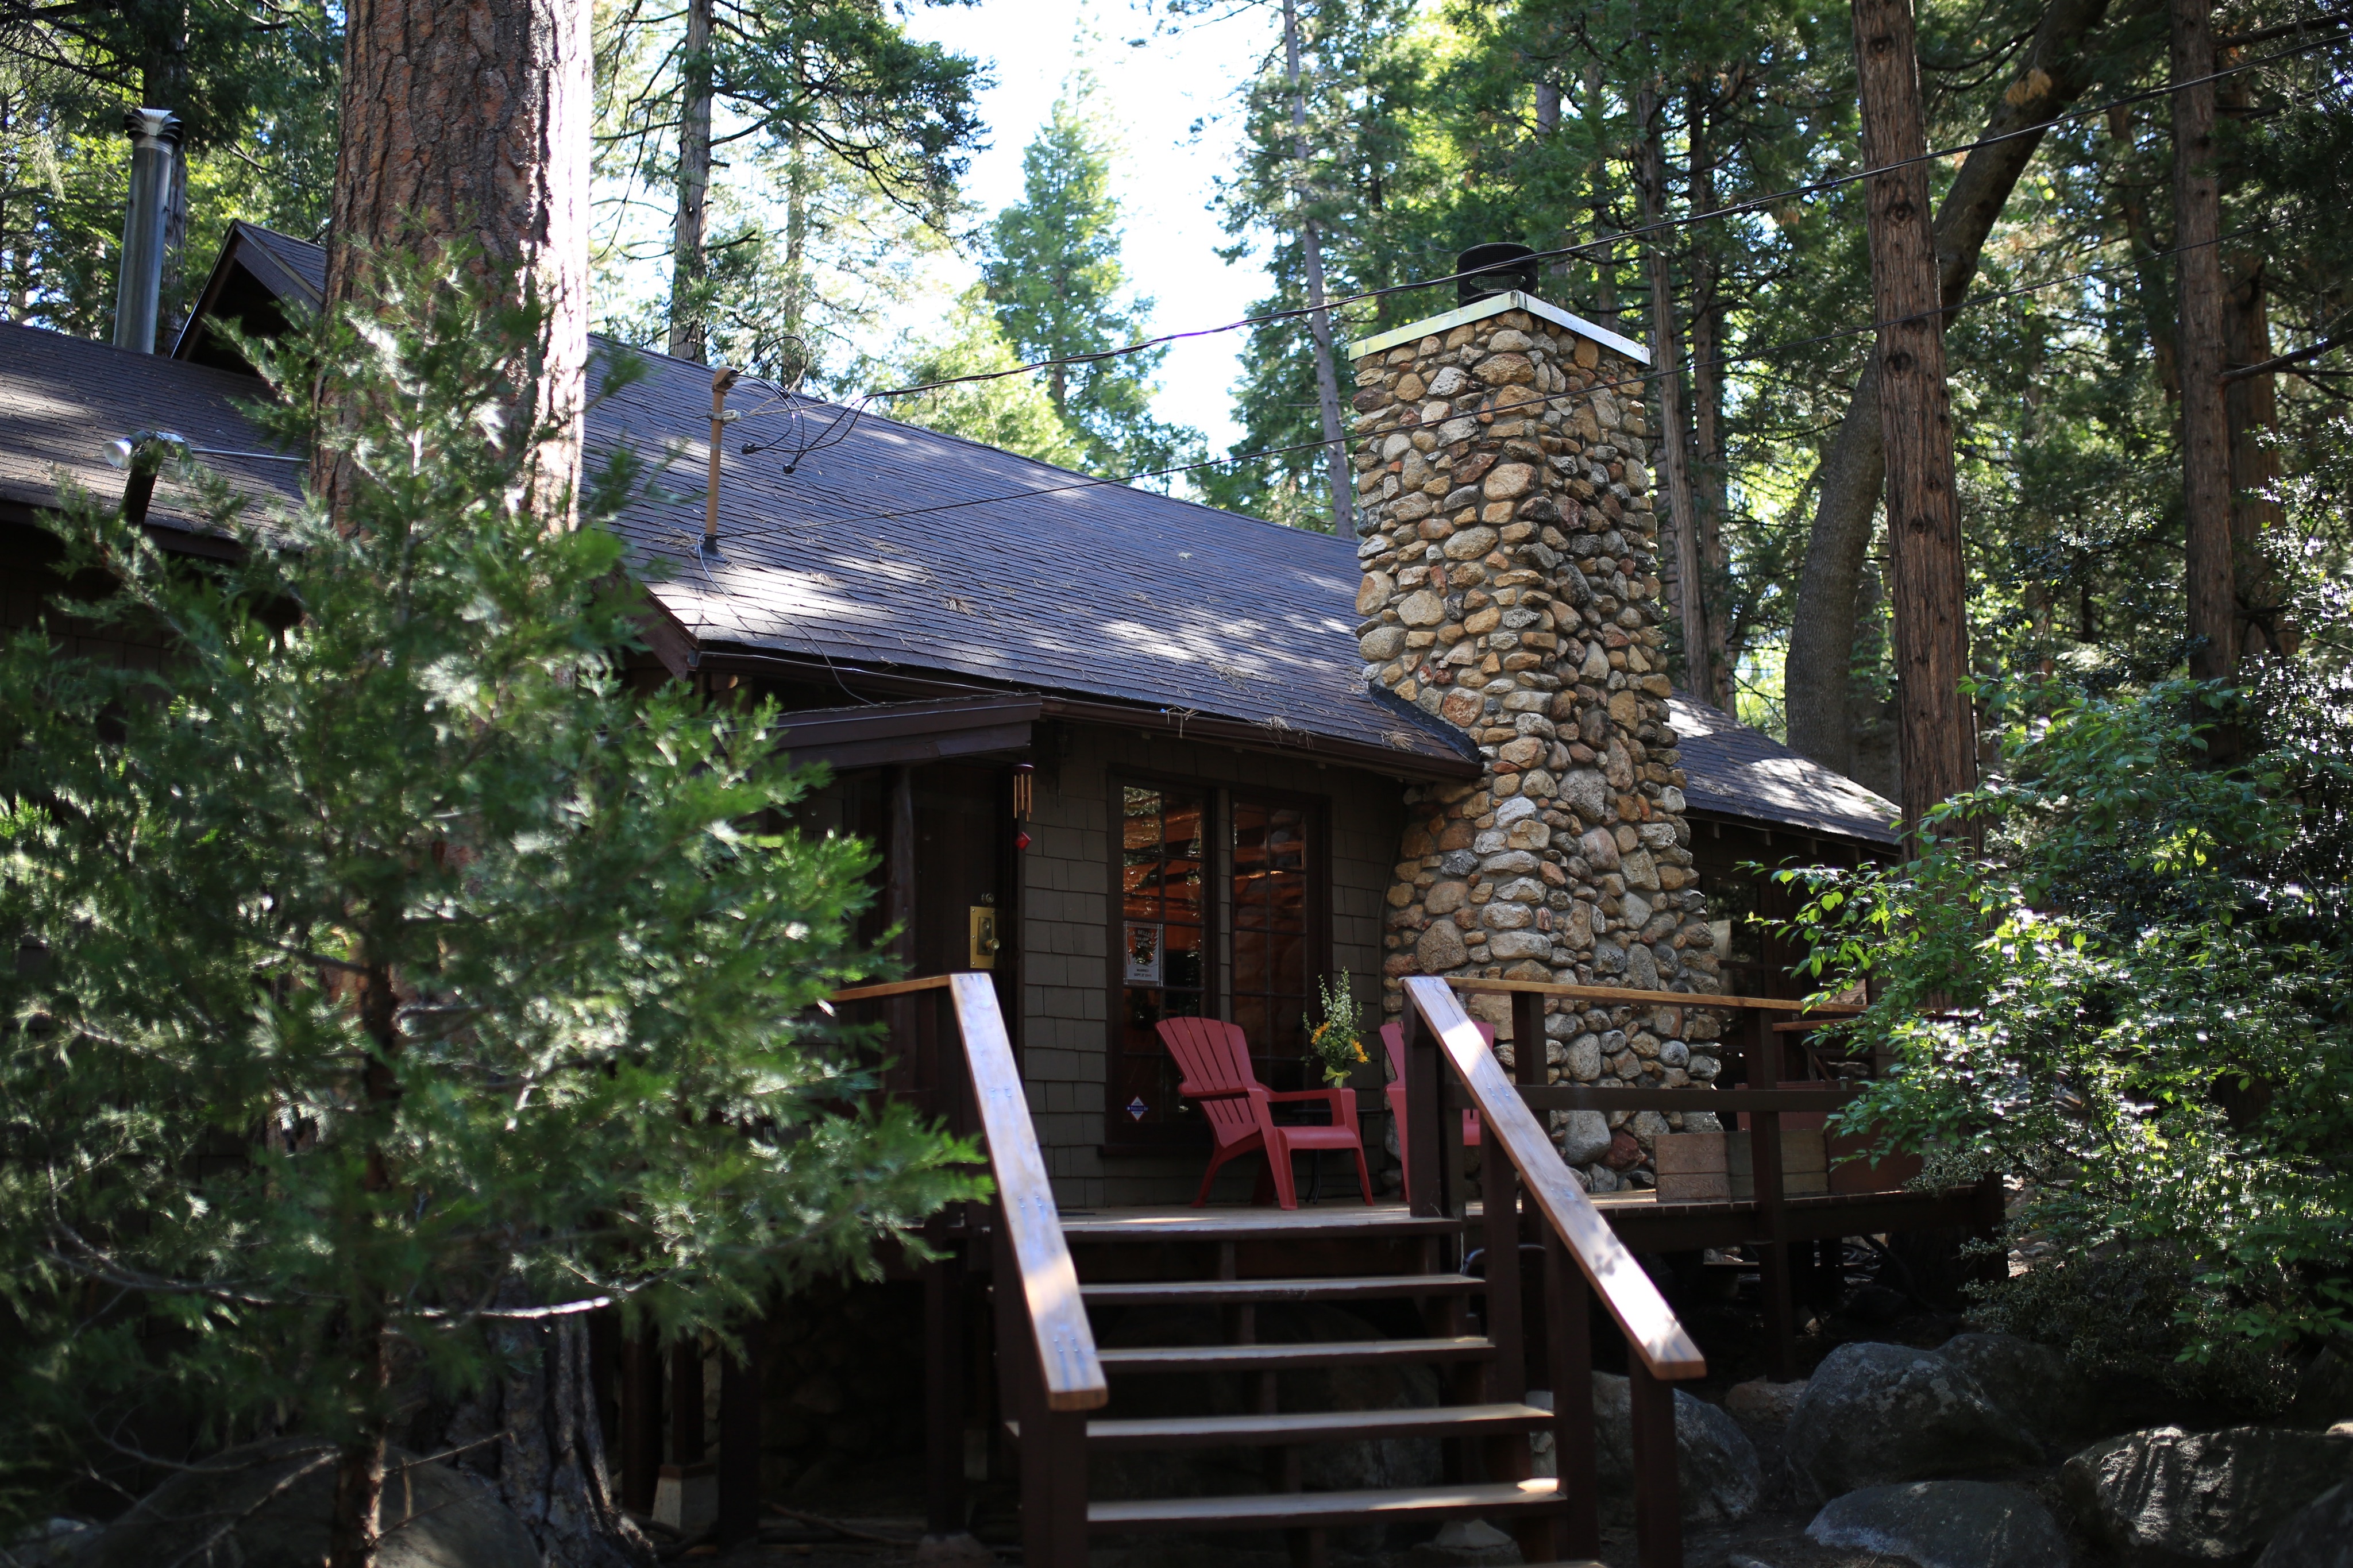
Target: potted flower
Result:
[1336, 1044]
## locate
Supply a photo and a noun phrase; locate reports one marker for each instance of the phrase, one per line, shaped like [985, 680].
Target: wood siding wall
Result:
[1066, 914]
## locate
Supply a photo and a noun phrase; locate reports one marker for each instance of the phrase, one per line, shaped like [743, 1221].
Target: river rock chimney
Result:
[155, 133]
[1511, 588]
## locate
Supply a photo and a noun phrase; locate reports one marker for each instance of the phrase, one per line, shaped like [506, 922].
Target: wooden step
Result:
[1283, 1357]
[1337, 1221]
[1316, 1426]
[1283, 1509]
[1223, 1292]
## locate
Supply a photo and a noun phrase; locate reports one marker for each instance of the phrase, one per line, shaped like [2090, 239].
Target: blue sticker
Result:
[1136, 1107]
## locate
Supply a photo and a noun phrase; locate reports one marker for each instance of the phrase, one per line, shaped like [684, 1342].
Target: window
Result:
[1220, 915]
[1160, 964]
[1271, 981]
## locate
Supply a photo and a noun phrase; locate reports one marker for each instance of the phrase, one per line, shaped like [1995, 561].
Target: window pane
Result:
[1158, 962]
[1273, 986]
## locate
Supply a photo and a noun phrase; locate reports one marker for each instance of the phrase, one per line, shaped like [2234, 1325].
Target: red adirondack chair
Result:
[1393, 1039]
[1215, 1059]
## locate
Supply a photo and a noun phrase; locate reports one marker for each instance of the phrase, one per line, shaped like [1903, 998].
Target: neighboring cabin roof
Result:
[62, 399]
[1735, 771]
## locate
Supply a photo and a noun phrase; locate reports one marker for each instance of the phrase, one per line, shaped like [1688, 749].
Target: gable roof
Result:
[63, 398]
[1733, 770]
[899, 547]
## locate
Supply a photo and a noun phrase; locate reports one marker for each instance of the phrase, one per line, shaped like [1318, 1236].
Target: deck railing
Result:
[1046, 1352]
[1581, 1255]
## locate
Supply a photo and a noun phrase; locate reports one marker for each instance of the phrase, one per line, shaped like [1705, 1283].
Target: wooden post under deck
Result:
[1568, 1332]
[944, 1506]
[1658, 1514]
[641, 1422]
[739, 1441]
[1764, 1065]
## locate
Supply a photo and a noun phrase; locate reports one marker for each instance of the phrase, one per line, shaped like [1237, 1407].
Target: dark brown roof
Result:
[1735, 771]
[62, 399]
[903, 548]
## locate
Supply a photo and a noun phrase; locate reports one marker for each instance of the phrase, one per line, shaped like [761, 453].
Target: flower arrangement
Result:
[1337, 1044]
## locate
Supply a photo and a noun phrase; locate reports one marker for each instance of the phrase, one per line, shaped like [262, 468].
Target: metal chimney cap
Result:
[151, 130]
[1497, 268]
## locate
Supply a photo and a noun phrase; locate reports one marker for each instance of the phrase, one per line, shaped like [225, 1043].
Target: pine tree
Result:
[1054, 277]
[393, 975]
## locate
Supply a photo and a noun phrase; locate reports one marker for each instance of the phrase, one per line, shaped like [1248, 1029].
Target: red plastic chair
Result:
[1393, 1039]
[1215, 1059]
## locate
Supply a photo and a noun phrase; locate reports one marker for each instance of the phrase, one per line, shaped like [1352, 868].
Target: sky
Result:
[1154, 93]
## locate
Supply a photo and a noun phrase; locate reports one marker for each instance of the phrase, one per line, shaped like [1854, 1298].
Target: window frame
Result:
[1122, 1135]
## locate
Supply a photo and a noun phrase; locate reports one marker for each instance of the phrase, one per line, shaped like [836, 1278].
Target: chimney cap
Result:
[154, 129]
[1496, 267]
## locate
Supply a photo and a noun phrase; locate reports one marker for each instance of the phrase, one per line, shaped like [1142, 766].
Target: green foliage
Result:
[1054, 277]
[1012, 412]
[840, 141]
[390, 968]
[256, 98]
[2136, 1000]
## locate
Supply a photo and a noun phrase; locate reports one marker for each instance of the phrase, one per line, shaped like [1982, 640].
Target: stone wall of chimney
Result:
[1511, 588]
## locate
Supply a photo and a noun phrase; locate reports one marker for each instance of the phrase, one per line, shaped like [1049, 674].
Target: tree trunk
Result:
[2251, 406]
[535, 1436]
[1930, 586]
[2197, 328]
[1319, 321]
[689, 336]
[1822, 636]
[1666, 366]
[1711, 475]
[470, 123]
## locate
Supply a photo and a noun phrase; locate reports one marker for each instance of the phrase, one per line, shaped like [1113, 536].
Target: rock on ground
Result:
[2166, 1497]
[2320, 1536]
[1876, 1414]
[223, 1515]
[1762, 1400]
[1717, 1477]
[2032, 1385]
[1945, 1524]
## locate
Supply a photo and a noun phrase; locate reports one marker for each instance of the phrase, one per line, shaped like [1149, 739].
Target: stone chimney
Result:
[1512, 589]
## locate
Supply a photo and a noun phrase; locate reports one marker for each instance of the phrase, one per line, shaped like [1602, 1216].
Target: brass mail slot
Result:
[984, 937]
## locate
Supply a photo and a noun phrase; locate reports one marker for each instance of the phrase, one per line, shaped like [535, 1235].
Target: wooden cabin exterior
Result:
[1120, 756]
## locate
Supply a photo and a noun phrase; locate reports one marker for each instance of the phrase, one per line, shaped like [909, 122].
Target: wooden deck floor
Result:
[1638, 1216]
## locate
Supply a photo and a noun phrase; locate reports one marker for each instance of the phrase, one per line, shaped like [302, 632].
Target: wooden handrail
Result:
[1652, 1330]
[892, 988]
[1050, 1282]
[1656, 998]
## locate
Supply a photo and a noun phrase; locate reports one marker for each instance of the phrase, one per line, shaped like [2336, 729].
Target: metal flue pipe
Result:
[154, 141]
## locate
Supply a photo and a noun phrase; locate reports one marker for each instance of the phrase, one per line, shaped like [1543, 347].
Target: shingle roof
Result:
[905, 547]
[1735, 771]
[62, 399]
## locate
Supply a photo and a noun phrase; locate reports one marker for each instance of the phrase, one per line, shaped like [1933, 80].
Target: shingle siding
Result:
[1065, 918]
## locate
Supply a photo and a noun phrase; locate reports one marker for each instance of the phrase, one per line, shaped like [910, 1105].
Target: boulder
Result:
[2166, 1497]
[1762, 1400]
[223, 1515]
[1945, 1524]
[2032, 1385]
[1876, 1414]
[1717, 1477]
[2320, 1536]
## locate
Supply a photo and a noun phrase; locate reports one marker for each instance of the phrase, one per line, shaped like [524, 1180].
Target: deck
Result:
[1640, 1220]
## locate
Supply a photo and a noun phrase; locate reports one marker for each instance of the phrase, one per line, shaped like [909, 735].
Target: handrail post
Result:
[1424, 1101]
[1569, 1334]
[1764, 1068]
[1658, 1513]
[944, 1394]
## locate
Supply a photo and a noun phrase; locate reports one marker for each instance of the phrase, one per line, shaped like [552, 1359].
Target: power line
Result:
[1587, 247]
[1092, 482]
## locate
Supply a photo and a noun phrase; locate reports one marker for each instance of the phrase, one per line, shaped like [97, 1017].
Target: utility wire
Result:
[1590, 246]
[1092, 482]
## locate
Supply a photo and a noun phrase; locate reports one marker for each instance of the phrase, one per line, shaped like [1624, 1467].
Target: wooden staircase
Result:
[1481, 1421]
[1060, 1394]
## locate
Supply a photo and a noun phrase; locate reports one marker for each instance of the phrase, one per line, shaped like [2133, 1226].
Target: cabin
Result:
[1133, 763]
